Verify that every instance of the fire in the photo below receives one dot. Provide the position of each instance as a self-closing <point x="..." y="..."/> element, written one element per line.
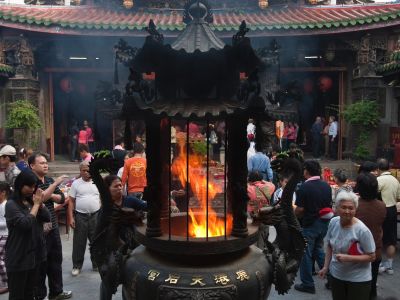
<point x="197" y="180"/>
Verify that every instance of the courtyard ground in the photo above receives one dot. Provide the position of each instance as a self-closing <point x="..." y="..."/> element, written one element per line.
<point x="86" y="285"/>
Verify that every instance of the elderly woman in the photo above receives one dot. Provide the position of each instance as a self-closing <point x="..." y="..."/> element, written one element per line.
<point x="349" y="252"/>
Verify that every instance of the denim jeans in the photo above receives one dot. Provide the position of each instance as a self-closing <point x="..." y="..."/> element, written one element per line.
<point x="314" y="235"/>
<point x="74" y="146"/>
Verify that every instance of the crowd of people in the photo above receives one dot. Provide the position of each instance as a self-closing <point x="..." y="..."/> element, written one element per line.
<point x="81" y="138"/>
<point x="351" y="231"/>
<point x="30" y="243"/>
<point x="322" y="136"/>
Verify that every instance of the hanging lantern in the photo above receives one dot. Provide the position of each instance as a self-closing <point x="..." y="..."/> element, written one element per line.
<point x="263" y="4"/>
<point x="313" y="2"/>
<point x="325" y="83"/>
<point x="77" y="2"/>
<point x="149" y="76"/>
<point x="128" y="4"/>
<point x="66" y="85"/>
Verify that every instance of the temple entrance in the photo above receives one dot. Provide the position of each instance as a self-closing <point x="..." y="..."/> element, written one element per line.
<point x="74" y="99"/>
<point x="306" y="94"/>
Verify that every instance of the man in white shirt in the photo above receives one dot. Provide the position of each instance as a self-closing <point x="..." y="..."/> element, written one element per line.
<point x="389" y="188"/>
<point x="83" y="208"/>
<point x="251" y="130"/>
<point x="333" y="138"/>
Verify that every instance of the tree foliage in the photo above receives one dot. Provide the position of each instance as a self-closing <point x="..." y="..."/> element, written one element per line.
<point x="23" y="114"/>
<point x="364" y="114"/>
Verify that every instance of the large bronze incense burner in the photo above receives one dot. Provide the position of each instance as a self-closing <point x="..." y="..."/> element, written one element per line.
<point x="195" y="97"/>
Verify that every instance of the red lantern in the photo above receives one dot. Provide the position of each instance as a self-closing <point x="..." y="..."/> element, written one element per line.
<point x="66" y="85"/>
<point x="325" y="83"/>
<point x="149" y="76"/>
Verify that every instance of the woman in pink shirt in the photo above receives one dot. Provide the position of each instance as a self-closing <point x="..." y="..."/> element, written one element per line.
<point x="291" y="137"/>
<point x="259" y="192"/>
<point x="83" y="137"/>
<point x="90" y="136"/>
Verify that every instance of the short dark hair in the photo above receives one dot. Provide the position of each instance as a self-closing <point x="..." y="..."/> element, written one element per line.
<point x="313" y="167"/>
<point x="138" y="148"/>
<point x="368" y="166"/>
<point x="83" y="147"/>
<point x="32" y="158"/>
<point x="340" y="175"/>
<point x="367" y="186"/>
<point x="5" y="187"/>
<point x="383" y="164"/>
<point x="255" y="176"/>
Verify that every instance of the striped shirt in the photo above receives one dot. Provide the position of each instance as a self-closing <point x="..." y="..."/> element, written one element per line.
<point x="50" y="203"/>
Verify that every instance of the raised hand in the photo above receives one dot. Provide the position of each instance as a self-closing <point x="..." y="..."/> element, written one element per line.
<point x="60" y="179"/>
<point x="38" y="197"/>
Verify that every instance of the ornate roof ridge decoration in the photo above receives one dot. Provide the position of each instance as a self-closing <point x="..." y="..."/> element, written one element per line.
<point x="198" y="34"/>
<point x="293" y="20"/>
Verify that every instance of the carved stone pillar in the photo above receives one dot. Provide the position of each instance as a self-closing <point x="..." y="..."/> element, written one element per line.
<point x="24" y="86"/>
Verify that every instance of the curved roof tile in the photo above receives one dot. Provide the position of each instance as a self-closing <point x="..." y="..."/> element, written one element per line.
<point x="299" y="20"/>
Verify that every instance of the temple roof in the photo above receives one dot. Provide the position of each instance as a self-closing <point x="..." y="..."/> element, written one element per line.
<point x="290" y="20"/>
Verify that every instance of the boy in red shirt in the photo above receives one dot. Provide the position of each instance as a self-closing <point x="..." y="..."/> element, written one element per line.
<point x="135" y="172"/>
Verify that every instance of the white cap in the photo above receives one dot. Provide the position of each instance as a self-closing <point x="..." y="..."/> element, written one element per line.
<point x="8" y="150"/>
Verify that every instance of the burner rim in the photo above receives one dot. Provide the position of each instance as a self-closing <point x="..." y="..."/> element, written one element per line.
<point x="197" y="246"/>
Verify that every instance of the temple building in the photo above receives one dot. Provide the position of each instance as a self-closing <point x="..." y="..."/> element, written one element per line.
<point x="321" y="56"/>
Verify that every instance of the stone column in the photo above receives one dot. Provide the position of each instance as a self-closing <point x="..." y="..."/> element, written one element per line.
<point x="24" y="86"/>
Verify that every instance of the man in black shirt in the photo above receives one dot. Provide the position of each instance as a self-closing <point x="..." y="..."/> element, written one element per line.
<point x="313" y="203"/>
<point x="53" y="267"/>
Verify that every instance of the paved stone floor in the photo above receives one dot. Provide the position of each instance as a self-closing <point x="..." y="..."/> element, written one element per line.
<point x="86" y="285"/>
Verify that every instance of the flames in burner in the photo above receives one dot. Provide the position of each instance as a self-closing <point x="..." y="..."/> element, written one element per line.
<point x="197" y="181"/>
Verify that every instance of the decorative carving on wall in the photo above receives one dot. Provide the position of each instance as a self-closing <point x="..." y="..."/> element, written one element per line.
<point x="366" y="48"/>
<point x="269" y="76"/>
<point x="19" y="54"/>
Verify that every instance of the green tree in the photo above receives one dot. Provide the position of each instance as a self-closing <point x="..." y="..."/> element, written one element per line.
<point x="365" y="115"/>
<point x="23" y="117"/>
<point x="23" y="114"/>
